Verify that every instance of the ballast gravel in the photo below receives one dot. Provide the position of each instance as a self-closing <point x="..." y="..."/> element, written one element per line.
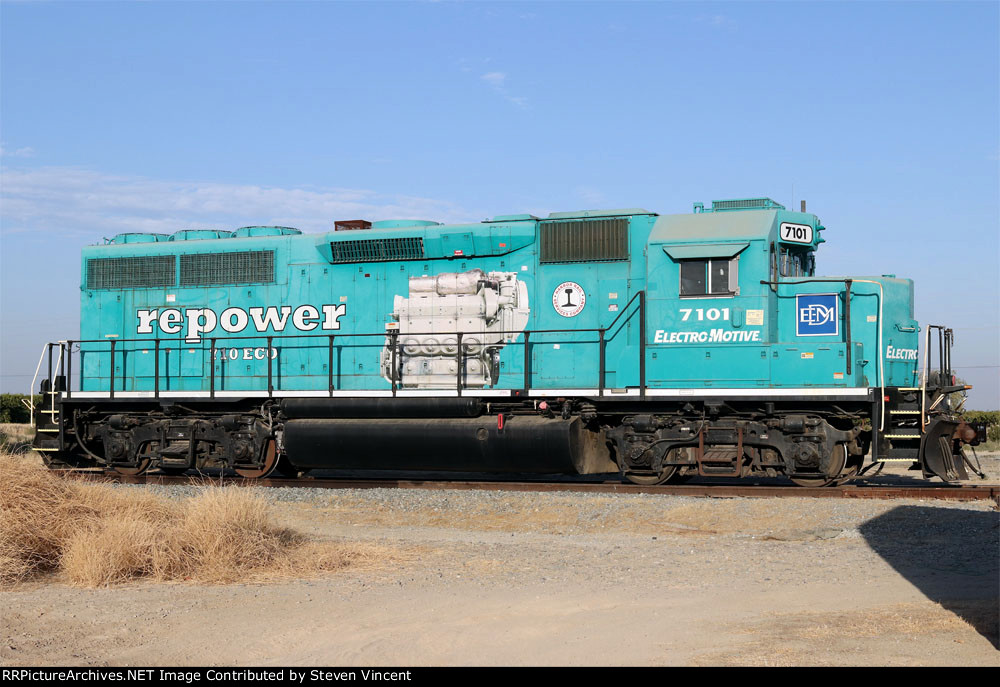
<point x="804" y="519"/>
<point x="478" y="577"/>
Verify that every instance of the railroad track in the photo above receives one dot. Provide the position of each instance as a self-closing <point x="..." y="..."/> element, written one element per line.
<point x="857" y="491"/>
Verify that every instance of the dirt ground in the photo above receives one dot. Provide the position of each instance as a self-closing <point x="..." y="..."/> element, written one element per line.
<point x="489" y="578"/>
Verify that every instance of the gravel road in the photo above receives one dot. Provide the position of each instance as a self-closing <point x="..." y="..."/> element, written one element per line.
<point x="485" y="578"/>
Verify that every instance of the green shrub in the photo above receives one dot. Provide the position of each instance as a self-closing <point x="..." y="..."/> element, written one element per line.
<point x="13" y="410"/>
<point x="990" y="417"/>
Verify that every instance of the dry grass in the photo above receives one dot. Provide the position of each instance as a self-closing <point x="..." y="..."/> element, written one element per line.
<point x="16" y="430"/>
<point x="15" y="437"/>
<point x="97" y="535"/>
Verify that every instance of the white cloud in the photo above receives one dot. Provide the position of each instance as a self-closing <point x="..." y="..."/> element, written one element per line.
<point x="69" y="201"/>
<point x="498" y="80"/>
<point x="18" y="152"/>
<point x="495" y="79"/>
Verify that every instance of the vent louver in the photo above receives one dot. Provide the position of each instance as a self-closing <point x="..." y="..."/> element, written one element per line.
<point x="588" y="241"/>
<point x="378" y="250"/>
<point x="246" y="267"/>
<point x="148" y="272"/>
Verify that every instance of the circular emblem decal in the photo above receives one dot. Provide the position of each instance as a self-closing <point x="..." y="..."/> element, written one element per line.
<point x="568" y="299"/>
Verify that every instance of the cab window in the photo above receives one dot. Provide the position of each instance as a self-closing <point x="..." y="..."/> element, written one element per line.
<point x="708" y="277"/>
<point x="796" y="263"/>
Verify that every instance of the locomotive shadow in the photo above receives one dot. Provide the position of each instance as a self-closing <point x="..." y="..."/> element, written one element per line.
<point x="949" y="554"/>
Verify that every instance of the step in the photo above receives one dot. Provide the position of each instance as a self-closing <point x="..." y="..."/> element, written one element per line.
<point x="176" y="448"/>
<point x="901" y="436"/>
<point x="174" y="462"/>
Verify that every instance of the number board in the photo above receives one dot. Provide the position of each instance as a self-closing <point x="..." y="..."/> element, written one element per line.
<point x="796" y="233"/>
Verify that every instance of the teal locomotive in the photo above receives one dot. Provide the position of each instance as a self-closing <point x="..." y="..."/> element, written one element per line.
<point x="654" y="346"/>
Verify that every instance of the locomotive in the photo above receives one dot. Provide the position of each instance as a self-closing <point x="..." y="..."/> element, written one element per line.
<point x="658" y="347"/>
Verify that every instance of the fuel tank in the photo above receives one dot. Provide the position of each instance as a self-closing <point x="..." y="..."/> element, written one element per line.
<point x="481" y="444"/>
<point x="302" y="408"/>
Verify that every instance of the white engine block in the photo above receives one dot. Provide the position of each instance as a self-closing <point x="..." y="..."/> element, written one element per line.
<point x="482" y="306"/>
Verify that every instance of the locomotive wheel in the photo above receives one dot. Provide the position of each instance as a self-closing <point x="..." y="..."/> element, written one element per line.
<point x="142" y="460"/>
<point x="269" y="466"/>
<point x="652" y="480"/>
<point x="843" y="474"/>
<point x="139" y="468"/>
<point x="852" y="469"/>
<point x="847" y="475"/>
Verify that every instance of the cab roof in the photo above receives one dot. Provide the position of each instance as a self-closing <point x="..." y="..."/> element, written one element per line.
<point x="711" y="226"/>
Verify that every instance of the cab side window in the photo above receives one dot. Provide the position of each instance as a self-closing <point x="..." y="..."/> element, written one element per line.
<point x="791" y="264"/>
<point x="716" y="277"/>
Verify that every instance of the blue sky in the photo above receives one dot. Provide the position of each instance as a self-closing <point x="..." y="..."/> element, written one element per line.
<point x="162" y="116"/>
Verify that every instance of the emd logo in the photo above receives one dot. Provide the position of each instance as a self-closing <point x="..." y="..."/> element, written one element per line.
<point x="817" y="314"/>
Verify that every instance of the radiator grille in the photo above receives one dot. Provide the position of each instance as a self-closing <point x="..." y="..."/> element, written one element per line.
<point x="378" y="250"/>
<point x="247" y="267"/>
<point x="146" y="272"/>
<point x="588" y="241"/>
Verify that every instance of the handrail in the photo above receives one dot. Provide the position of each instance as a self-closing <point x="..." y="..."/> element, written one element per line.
<point x="31" y="389"/>
<point x="52" y="386"/>
<point x="923" y="379"/>
<point x="46" y="348"/>
<point x="945" y="342"/>
<point x="263" y="335"/>
<point x="215" y="343"/>
<point x="624" y="310"/>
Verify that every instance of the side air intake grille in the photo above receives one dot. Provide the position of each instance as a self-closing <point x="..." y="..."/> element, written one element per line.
<point x="247" y="267"/>
<point x="588" y="241"/>
<point x="147" y="272"/>
<point x="378" y="250"/>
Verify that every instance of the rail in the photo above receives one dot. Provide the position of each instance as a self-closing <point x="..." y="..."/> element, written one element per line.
<point x="718" y="488"/>
<point x="117" y="347"/>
